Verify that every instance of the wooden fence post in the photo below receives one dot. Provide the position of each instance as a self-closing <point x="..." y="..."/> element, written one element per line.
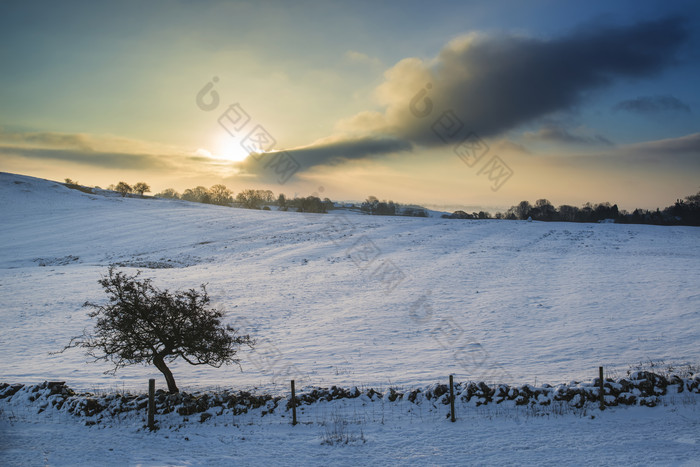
<point x="294" y="405"/>
<point x="452" y="399"/>
<point x="601" y="383"/>
<point x="151" y="404"/>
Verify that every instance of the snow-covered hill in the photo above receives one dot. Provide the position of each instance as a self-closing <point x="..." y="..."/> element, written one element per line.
<point x="350" y="300"/>
<point x="347" y="299"/>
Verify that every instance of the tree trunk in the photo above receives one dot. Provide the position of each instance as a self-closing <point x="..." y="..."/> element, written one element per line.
<point x="159" y="362"/>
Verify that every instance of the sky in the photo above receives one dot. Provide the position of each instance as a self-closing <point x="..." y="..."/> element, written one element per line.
<point x="446" y="103"/>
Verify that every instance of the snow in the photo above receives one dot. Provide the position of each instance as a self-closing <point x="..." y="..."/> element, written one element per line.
<point x="372" y="432"/>
<point x="352" y="300"/>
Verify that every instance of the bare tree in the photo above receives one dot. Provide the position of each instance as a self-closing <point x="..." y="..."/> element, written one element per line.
<point x="267" y="196"/>
<point x="123" y="188"/>
<point x="281" y="200"/>
<point x="141" y="188"/>
<point x="198" y="194"/>
<point x="142" y="324"/>
<point x="219" y="194"/>
<point x="168" y="193"/>
<point x="251" y="199"/>
<point x="523" y="209"/>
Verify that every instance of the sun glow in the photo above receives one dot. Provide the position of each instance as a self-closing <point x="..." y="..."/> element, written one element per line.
<point x="228" y="149"/>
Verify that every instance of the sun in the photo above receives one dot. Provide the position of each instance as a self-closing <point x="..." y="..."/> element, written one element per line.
<point x="227" y="148"/>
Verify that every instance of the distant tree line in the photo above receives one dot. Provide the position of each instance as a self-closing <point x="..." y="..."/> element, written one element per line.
<point x="249" y="199"/>
<point x="543" y="210"/>
<point x="75" y="185"/>
<point x="125" y="189"/>
<point x="685" y="211"/>
<point x="217" y="194"/>
<point x="374" y="207"/>
<point x="465" y="215"/>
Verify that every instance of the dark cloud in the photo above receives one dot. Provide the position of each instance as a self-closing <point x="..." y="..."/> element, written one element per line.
<point x="282" y="165"/>
<point x="653" y="104"/>
<point x="114" y="160"/>
<point x="496" y="83"/>
<point x="557" y="134"/>
<point x="357" y="148"/>
<point x="488" y="84"/>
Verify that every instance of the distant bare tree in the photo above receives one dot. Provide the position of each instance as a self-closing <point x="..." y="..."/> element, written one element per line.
<point x="198" y="195"/>
<point x="123" y="188"/>
<point x="168" y="193"/>
<point x="267" y="196"/>
<point x="141" y="188"/>
<point x="281" y="200"/>
<point x="219" y="194"/>
<point x="568" y="213"/>
<point x="544" y="210"/>
<point x="523" y="209"/>
<point x="251" y="199"/>
<point x="310" y="204"/>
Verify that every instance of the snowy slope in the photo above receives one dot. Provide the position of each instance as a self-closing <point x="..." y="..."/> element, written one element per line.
<point x="496" y="300"/>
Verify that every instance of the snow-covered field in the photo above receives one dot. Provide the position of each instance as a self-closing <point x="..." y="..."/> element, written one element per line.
<point x="489" y="435"/>
<point x="346" y="299"/>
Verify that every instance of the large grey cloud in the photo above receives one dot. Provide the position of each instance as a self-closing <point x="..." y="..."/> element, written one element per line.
<point x="330" y="152"/>
<point x="494" y="83"/>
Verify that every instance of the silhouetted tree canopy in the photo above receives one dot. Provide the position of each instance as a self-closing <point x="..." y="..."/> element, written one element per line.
<point x="310" y="204"/>
<point x="219" y="194"/>
<point x="141" y="324"/>
<point x="685" y="211"/>
<point x="123" y="188"/>
<point x="198" y="195"/>
<point x="141" y="188"/>
<point x="168" y="193"/>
